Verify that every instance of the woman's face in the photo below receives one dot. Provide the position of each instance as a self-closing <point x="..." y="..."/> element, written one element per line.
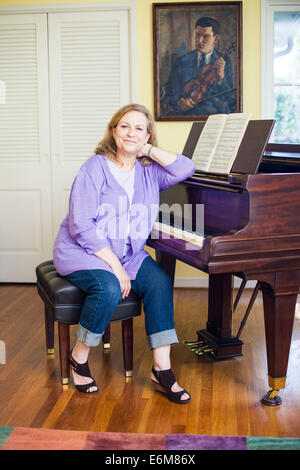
<point x="131" y="133"/>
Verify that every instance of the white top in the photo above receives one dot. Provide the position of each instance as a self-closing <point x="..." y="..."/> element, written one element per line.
<point x="126" y="180"/>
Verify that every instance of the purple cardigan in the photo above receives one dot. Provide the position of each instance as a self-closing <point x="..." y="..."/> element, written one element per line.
<point x="98" y="211"/>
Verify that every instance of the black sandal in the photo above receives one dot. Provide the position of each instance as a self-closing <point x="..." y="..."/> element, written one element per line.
<point x="84" y="371"/>
<point x="166" y="380"/>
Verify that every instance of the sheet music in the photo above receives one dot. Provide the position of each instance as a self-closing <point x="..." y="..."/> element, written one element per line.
<point x="229" y="143"/>
<point x="219" y="142"/>
<point x="208" y="141"/>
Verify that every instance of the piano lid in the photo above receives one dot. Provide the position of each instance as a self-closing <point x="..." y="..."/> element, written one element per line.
<point x="281" y="158"/>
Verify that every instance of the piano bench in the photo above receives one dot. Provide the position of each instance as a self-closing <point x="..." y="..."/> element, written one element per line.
<point x="62" y="304"/>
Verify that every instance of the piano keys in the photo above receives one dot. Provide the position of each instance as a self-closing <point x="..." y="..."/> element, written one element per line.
<point x="187" y="236"/>
<point x="251" y="230"/>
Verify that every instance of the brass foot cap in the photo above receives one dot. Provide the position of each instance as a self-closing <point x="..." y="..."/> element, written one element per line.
<point x="271" y="399"/>
<point x="277" y="383"/>
<point x="128" y="373"/>
<point x="50" y="352"/>
<point x="106" y="345"/>
<point x="65" y="380"/>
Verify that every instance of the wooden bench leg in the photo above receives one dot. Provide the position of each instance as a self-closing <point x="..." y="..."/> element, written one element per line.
<point x="127" y="337"/>
<point x="49" y="332"/>
<point x="64" y="349"/>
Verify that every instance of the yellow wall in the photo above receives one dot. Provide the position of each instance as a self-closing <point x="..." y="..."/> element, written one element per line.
<point x="173" y="135"/>
<point x="176" y="132"/>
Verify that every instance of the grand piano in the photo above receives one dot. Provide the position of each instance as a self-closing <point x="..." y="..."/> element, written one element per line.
<point x="251" y="230"/>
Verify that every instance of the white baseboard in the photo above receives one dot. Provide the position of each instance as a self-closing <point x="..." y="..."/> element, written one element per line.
<point x="201" y="282"/>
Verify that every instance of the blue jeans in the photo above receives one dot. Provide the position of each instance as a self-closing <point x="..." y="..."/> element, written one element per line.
<point x="103" y="291"/>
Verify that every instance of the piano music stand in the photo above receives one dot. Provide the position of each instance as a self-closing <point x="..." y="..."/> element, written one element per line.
<point x="253" y="144"/>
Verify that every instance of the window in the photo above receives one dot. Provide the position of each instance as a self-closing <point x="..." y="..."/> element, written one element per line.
<point x="281" y="68"/>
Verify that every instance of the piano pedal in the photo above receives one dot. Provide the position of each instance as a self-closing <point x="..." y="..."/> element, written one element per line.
<point x="190" y="343"/>
<point x="195" y="348"/>
<point x="199" y="347"/>
<point x="201" y="352"/>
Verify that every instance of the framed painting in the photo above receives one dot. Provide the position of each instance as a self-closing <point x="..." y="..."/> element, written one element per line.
<point x="197" y="59"/>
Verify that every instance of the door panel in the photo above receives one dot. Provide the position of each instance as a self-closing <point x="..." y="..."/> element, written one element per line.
<point x="25" y="172"/>
<point x="89" y="81"/>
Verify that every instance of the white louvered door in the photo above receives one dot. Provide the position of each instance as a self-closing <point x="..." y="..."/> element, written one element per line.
<point x="89" y="81"/>
<point x="62" y="76"/>
<point x="25" y="174"/>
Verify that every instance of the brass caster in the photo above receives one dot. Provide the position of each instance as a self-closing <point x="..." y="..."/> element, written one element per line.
<point x="271" y="398"/>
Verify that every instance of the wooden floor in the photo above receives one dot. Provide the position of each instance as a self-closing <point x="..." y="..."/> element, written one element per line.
<point x="225" y="394"/>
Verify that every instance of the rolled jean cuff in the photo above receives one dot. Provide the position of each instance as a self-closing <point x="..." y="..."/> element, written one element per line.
<point x="162" y="338"/>
<point x="87" y="337"/>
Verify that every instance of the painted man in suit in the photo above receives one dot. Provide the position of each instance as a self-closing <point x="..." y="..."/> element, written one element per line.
<point x="218" y="96"/>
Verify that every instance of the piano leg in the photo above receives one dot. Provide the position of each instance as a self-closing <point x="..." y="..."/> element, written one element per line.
<point x="167" y="262"/>
<point x="280" y="290"/>
<point x="218" y="334"/>
<point x="279" y="298"/>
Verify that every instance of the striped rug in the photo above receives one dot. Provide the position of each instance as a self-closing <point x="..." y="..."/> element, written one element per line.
<point x="20" y="438"/>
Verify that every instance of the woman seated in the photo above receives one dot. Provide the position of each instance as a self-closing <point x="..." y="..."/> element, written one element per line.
<point x="100" y="245"/>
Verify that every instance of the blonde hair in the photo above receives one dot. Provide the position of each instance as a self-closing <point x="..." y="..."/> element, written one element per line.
<point x="107" y="145"/>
